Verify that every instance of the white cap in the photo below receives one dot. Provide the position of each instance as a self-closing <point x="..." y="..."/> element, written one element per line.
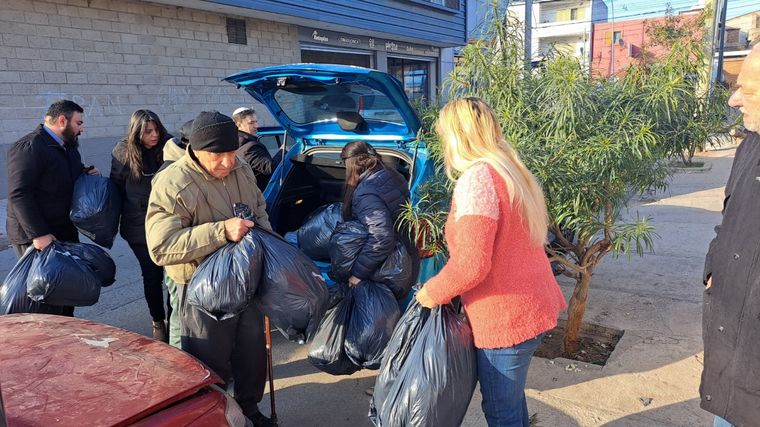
<point x="241" y="109"/>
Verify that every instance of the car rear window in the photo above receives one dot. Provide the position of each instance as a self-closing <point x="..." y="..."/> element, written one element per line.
<point x="309" y="104"/>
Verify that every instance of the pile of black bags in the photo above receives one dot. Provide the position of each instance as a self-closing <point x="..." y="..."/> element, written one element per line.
<point x="63" y="274"/>
<point x="269" y="271"/>
<point x="314" y="234"/>
<point x="428" y="372"/>
<point x="354" y="333"/>
<point x="349" y="238"/>
<point x="95" y="208"/>
<point x="292" y="291"/>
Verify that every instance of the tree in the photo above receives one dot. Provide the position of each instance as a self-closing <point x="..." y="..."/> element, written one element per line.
<point x="671" y="77"/>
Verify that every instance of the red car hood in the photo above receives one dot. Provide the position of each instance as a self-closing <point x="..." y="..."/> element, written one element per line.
<point x="64" y="371"/>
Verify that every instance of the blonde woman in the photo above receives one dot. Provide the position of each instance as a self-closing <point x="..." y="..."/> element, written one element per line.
<point x="495" y="233"/>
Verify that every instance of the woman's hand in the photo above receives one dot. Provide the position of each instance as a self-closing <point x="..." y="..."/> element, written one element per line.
<point x="353" y="281"/>
<point x="424" y="299"/>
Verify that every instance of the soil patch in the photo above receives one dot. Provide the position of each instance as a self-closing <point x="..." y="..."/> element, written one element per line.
<point x="596" y="344"/>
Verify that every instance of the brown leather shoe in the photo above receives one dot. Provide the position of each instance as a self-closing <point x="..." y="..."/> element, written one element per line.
<point x="160" y="331"/>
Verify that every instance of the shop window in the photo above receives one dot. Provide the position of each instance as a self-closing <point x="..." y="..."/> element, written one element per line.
<point x="341" y="58"/>
<point x="236" y="31"/>
<point x="414" y="75"/>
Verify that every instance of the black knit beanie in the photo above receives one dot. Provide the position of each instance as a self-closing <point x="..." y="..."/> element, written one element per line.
<point x="214" y="132"/>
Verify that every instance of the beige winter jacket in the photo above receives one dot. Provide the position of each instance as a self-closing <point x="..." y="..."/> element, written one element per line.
<point x="187" y="210"/>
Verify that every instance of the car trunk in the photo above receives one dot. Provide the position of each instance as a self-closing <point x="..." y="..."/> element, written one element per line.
<point x="316" y="178"/>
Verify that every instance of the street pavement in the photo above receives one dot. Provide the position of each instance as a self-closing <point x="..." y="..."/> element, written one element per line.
<point x="651" y="378"/>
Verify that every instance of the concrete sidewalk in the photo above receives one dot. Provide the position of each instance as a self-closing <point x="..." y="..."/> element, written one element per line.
<point x="655" y="299"/>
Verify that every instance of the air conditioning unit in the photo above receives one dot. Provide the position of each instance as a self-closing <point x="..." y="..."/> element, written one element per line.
<point x="621" y="42"/>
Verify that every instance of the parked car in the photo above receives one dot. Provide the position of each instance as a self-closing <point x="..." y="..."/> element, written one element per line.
<point x="322" y="107"/>
<point x="57" y="370"/>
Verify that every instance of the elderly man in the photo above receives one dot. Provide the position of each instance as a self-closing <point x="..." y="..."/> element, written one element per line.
<point x="730" y="386"/>
<point x="251" y="149"/>
<point x="192" y="213"/>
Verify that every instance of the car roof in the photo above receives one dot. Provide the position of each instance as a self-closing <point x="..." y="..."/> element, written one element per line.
<point x="60" y="370"/>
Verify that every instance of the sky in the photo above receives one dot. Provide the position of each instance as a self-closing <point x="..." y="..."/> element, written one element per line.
<point x="635" y="9"/>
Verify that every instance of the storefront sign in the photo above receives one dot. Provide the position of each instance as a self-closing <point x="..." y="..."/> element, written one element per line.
<point x="331" y="38"/>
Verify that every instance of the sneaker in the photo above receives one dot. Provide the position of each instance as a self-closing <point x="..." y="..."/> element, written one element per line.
<point x="160" y="331"/>
<point x="260" y="420"/>
<point x="370" y="391"/>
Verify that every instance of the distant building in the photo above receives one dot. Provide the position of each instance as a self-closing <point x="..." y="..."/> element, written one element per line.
<point x="618" y="44"/>
<point x="742" y="33"/>
<point x="564" y="25"/>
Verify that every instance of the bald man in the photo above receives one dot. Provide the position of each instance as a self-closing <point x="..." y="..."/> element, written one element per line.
<point x="730" y="386"/>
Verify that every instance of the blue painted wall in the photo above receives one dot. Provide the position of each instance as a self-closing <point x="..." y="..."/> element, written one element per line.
<point x="429" y="23"/>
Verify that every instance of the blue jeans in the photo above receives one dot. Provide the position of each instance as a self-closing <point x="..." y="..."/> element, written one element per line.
<point x="502" y="373"/>
<point x="720" y="422"/>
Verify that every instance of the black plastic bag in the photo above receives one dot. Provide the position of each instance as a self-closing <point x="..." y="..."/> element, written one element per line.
<point x="226" y="280"/>
<point x="60" y="277"/>
<point x="347" y="241"/>
<point x="314" y="234"/>
<point x="13" y="296"/>
<point x="397" y="272"/>
<point x="396" y="353"/>
<point x="292" y="292"/>
<point x="374" y="314"/>
<point x="95" y="208"/>
<point x="336" y="293"/>
<point x="327" y="349"/>
<point x="435" y="383"/>
<point x="96" y="258"/>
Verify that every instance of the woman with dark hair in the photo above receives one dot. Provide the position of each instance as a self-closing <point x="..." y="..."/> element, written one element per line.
<point x="374" y="195"/>
<point x="134" y="161"/>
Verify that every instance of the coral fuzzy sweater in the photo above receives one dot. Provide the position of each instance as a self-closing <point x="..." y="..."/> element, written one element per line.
<point x="506" y="284"/>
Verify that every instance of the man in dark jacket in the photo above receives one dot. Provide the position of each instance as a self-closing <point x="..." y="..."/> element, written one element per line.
<point x="251" y="149"/>
<point x="730" y="386"/>
<point x="42" y="168"/>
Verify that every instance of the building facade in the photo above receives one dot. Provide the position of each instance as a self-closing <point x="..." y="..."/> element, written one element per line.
<point x="115" y="56"/>
<point x="565" y="25"/>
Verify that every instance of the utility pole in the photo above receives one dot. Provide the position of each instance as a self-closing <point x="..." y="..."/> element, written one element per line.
<point x="528" y="33"/>
<point x="612" y="43"/>
<point x="720" y="28"/>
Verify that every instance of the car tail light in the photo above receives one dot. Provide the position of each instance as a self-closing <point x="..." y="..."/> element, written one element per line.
<point x="232" y="412"/>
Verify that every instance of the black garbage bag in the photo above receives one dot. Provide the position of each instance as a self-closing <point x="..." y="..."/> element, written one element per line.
<point x="345" y="243"/>
<point x="96" y="258"/>
<point x="435" y="384"/>
<point x="336" y="293"/>
<point x="327" y="349"/>
<point x="314" y="234"/>
<point x="60" y="277"/>
<point x="396" y="353"/>
<point x="397" y="272"/>
<point x="13" y="296"/>
<point x="373" y="316"/>
<point x="95" y="208"/>
<point x="226" y="280"/>
<point x="292" y="292"/>
<point x="349" y="238"/>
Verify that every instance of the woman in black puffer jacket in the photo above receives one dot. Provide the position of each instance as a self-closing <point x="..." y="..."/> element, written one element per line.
<point x="134" y="161"/>
<point x="374" y="195"/>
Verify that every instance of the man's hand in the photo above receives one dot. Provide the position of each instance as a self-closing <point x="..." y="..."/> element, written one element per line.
<point x="92" y="170"/>
<point x="235" y="228"/>
<point x="424" y="299"/>
<point x="353" y="281"/>
<point x="709" y="283"/>
<point x="43" y="242"/>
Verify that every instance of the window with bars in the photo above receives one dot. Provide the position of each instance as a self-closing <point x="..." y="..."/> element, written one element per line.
<point x="236" y="31"/>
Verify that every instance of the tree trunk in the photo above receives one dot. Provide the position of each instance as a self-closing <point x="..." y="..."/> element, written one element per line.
<point x="575" y="312"/>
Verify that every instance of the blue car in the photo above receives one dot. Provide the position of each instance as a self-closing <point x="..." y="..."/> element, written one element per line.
<point x="321" y="108"/>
